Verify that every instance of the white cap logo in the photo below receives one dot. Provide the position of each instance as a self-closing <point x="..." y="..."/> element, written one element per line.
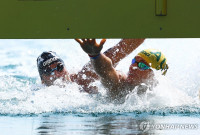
<point x="47" y="62"/>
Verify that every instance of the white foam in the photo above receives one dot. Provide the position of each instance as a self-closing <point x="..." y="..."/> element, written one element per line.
<point x="26" y="95"/>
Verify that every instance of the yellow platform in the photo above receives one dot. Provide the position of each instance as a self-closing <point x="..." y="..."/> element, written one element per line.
<point x="98" y="19"/>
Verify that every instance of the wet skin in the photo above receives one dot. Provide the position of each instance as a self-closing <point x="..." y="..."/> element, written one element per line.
<point x="49" y="79"/>
<point x="136" y="75"/>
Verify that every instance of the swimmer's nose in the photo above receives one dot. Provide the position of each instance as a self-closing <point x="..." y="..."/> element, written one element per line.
<point x="58" y="74"/>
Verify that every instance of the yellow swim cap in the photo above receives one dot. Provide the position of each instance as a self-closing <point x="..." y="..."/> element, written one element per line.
<point x="155" y="59"/>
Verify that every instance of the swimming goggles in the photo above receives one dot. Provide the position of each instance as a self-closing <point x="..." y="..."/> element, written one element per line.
<point x="141" y="65"/>
<point x="49" y="71"/>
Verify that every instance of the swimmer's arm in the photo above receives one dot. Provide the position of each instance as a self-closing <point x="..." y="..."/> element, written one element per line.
<point x="104" y="68"/>
<point x="122" y="49"/>
<point x="101" y="63"/>
<point x="116" y="53"/>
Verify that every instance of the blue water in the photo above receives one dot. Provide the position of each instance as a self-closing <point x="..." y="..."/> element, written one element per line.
<point x="54" y="110"/>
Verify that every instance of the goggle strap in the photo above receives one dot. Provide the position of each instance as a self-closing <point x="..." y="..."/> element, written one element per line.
<point x="165" y="69"/>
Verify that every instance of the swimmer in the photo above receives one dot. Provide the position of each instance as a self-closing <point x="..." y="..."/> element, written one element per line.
<point x="140" y="70"/>
<point x="51" y="67"/>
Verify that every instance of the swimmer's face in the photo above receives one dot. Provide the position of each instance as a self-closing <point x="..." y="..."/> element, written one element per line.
<point x="49" y="79"/>
<point x="136" y="75"/>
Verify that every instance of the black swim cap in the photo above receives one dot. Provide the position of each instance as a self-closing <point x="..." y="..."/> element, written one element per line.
<point x="46" y="59"/>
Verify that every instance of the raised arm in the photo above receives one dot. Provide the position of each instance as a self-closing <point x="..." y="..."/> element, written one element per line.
<point x="116" y="53"/>
<point x="122" y="49"/>
<point x="104" y="68"/>
<point x="101" y="63"/>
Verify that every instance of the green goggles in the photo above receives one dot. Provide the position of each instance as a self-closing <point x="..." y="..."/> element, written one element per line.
<point x="141" y="65"/>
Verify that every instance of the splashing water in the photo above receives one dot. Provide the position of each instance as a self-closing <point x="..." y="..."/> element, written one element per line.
<point x="21" y="91"/>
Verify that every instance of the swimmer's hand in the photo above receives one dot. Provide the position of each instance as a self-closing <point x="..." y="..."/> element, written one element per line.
<point x="90" y="46"/>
